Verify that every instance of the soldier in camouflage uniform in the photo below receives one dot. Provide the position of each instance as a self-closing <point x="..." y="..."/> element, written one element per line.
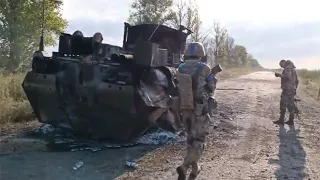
<point x="289" y="84"/>
<point x="196" y="121"/>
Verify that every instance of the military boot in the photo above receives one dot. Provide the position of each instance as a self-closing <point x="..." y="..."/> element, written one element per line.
<point x="281" y="120"/>
<point x="291" y="118"/>
<point x="182" y="173"/>
<point x="195" y="172"/>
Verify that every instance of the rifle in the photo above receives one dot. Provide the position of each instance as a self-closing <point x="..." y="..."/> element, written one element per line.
<point x="296" y="109"/>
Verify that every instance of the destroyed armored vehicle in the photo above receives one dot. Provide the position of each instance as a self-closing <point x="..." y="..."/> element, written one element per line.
<point x="110" y="92"/>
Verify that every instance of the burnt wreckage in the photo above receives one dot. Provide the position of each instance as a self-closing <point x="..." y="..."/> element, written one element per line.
<point x="110" y="92"/>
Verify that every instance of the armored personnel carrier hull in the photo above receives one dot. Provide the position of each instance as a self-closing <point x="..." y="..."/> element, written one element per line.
<point x="105" y="91"/>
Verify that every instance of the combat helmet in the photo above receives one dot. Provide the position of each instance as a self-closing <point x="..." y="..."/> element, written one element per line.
<point x="195" y="49"/>
<point x="282" y="63"/>
<point x="290" y="63"/>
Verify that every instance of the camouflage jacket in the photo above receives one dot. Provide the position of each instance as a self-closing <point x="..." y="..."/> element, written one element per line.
<point x="203" y="82"/>
<point x="289" y="79"/>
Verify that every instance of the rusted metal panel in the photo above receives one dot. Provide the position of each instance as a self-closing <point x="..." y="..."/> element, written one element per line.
<point x="185" y="90"/>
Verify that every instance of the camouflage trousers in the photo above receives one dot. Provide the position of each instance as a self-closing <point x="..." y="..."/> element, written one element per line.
<point x="195" y="123"/>
<point x="287" y="102"/>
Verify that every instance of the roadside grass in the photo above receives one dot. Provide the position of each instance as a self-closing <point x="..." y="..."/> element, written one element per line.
<point x="14" y="107"/>
<point x="310" y="81"/>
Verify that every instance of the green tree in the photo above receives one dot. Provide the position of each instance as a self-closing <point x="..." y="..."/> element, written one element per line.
<point x="151" y="11"/>
<point x="255" y="63"/>
<point x="218" y="42"/>
<point x="251" y="62"/>
<point x="20" y="29"/>
<point x="241" y="55"/>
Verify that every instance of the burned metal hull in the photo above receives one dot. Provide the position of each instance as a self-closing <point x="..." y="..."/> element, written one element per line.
<point x="104" y="91"/>
<point x="80" y="99"/>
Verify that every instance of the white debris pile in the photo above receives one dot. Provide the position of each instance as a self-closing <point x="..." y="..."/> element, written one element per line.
<point x="69" y="142"/>
<point x="46" y="129"/>
<point x="160" y="137"/>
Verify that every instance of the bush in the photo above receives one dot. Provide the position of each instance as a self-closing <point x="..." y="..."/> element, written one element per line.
<point x="14" y="106"/>
<point x="310" y="81"/>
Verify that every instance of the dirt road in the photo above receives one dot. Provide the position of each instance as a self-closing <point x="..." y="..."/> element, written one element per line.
<point x="246" y="145"/>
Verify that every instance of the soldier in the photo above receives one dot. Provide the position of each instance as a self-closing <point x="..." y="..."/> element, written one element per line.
<point x="196" y="121"/>
<point x="289" y="84"/>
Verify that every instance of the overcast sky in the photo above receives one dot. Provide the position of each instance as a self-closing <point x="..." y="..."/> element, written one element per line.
<point x="270" y="30"/>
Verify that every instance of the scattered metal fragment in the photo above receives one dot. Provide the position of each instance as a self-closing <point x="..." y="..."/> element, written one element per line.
<point x="46" y="128"/>
<point x="78" y="165"/>
<point x="131" y="164"/>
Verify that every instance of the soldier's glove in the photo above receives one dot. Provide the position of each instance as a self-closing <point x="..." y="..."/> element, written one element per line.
<point x="212" y="104"/>
<point x="277" y="74"/>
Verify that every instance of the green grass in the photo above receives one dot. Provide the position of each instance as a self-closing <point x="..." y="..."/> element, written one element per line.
<point x="310" y="81"/>
<point x="14" y="106"/>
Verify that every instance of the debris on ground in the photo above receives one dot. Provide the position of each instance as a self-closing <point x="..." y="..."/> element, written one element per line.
<point x="131" y="164"/>
<point x="78" y="165"/>
<point x="46" y="129"/>
<point x="62" y="140"/>
<point x="161" y="137"/>
<point x="93" y="149"/>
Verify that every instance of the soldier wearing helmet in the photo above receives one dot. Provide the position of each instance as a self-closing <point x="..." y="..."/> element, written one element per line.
<point x="289" y="84"/>
<point x="196" y="120"/>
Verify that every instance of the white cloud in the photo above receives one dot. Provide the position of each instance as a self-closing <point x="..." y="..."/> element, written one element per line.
<point x="308" y="63"/>
<point x="112" y="40"/>
<point x="259" y="12"/>
<point x="96" y="10"/>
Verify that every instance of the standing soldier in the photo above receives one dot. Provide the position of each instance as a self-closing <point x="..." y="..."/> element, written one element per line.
<point x="289" y="84"/>
<point x="196" y="120"/>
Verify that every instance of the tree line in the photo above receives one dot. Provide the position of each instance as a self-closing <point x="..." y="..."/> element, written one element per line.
<point x="220" y="46"/>
<point x="20" y="30"/>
